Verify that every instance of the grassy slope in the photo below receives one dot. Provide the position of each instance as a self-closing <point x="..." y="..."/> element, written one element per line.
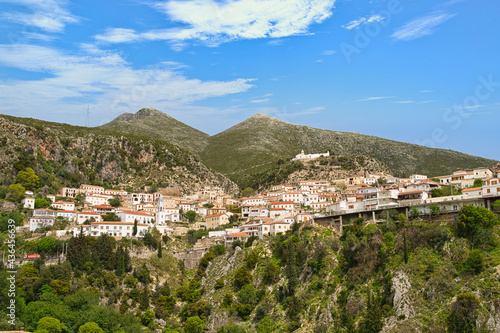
<point x="76" y="154"/>
<point x="159" y="125"/>
<point x="262" y="138"/>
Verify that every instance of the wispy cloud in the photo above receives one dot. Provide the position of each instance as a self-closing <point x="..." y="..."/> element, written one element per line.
<point x="404" y="102"/>
<point x="422" y="26"/>
<point x="48" y="15"/>
<point x="104" y="80"/>
<point x="328" y="52"/>
<point x="362" y="21"/>
<point x="426" y="91"/>
<point x="213" y="22"/>
<point x="262" y="100"/>
<point x="368" y="99"/>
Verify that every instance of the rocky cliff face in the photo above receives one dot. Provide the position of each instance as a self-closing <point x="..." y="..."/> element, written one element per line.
<point x="70" y="155"/>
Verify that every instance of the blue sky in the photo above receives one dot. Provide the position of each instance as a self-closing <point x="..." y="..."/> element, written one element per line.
<point x="424" y="72"/>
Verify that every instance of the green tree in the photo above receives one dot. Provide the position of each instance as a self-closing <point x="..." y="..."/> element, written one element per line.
<point x="80" y="197"/>
<point x="194" y="325"/>
<point x="414" y="213"/>
<point x="463" y="316"/>
<point x="50" y="325"/>
<point x="90" y="327"/>
<point x="160" y="254"/>
<point x="233" y="218"/>
<point x="478" y="183"/>
<point x="15" y="192"/>
<point x="47" y="245"/>
<point x="191" y="215"/>
<point x="496" y="205"/>
<point x="266" y="325"/>
<point x="247" y="295"/>
<point x="372" y="320"/>
<point x="475" y="262"/>
<point x="28" y="179"/>
<point x="434" y="209"/>
<point x="115" y="202"/>
<point x="248" y="192"/>
<point x="134" y="229"/>
<point x="271" y="273"/>
<point x="473" y="221"/>
<point x="242" y="277"/>
<point x="405" y="248"/>
<point x="144" y="303"/>
<point x="111" y="217"/>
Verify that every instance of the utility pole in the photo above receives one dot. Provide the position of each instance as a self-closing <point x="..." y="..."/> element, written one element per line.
<point x="87" y="120"/>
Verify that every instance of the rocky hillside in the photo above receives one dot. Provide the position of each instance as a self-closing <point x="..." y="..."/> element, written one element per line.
<point x="259" y="142"/>
<point x="156" y="124"/>
<point x="333" y="168"/>
<point x="262" y="138"/>
<point x="64" y="155"/>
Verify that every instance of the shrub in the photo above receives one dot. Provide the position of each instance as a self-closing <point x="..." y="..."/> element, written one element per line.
<point x="463" y="314"/>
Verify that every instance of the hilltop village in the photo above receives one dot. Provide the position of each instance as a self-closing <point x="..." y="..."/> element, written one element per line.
<point x="95" y="210"/>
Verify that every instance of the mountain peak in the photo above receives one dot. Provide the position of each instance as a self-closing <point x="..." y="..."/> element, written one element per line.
<point x="148" y="112"/>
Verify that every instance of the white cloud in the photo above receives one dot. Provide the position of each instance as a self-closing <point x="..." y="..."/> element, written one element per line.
<point x="328" y="52"/>
<point x="362" y="21"/>
<point x="262" y="100"/>
<point x="421" y="26"/>
<point x="404" y="102"/>
<point x="213" y="22"/>
<point x="426" y="91"/>
<point x="48" y="15"/>
<point x="118" y="35"/>
<point x="105" y="81"/>
<point x="368" y="99"/>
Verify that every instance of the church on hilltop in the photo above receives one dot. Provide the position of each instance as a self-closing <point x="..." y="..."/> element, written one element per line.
<point x="303" y="156"/>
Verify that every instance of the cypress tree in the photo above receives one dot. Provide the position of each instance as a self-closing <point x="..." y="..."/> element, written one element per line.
<point x="405" y="254"/>
<point x="159" y="250"/>
<point x="134" y="229"/>
<point x="144" y="303"/>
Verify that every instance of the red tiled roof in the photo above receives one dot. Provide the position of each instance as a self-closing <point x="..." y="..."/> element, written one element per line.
<point x="472" y="189"/>
<point x="238" y="234"/>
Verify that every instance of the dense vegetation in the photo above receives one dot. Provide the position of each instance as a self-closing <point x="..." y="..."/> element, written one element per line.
<point x="64" y="155"/>
<point x="402" y="275"/>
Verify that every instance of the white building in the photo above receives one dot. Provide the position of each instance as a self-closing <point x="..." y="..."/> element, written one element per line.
<point x="293" y="196"/>
<point x="83" y="216"/>
<point x="66" y="214"/>
<point x="417" y="178"/>
<point x="29" y="202"/>
<point x="95" y="199"/>
<point x="117" y="229"/>
<point x="491" y="187"/>
<point x="92" y="189"/>
<point x="40" y="222"/>
<point x="230" y="238"/>
<point x="130" y="216"/>
<point x="163" y="214"/>
<point x="65" y="205"/>
<point x="303" y="156"/>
